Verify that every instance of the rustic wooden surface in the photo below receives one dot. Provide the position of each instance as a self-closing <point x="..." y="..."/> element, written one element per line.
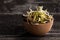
<point x="11" y="21"/>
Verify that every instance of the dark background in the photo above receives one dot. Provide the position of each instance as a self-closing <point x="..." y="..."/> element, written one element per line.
<point x="20" y="5"/>
<point x="11" y="20"/>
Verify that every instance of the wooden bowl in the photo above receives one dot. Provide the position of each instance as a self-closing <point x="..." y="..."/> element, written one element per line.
<point x="40" y="29"/>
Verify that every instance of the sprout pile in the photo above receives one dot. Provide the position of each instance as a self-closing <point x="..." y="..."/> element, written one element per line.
<point x="39" y="16"/>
